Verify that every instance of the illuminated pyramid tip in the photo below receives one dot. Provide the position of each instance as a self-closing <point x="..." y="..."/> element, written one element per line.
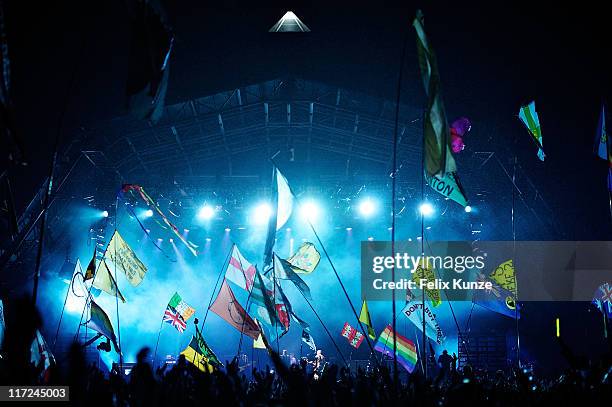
<point x="289" y="23"/>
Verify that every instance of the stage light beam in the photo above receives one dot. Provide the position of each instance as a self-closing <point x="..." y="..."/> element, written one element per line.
<point x="426" y="209"/>
<point x="206" y="212"/>
<point x="104" y="214"/>
<point x="309" y="211"/>
<point x="367" y="207"/>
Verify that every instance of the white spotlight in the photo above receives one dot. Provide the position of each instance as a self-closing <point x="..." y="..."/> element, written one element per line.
<point x="228" y="230"/>
<point x="309" y="211"/>
<point x="261" y="214"/>
<point x="367" y="207"/>
<point x="468" y="209"/>
<point x="426" y="209"/>
<point x="105" y="214"/>
<point x="148" y="213"/>
<point x="206" y="212"/>
<point x="171" y="240"/>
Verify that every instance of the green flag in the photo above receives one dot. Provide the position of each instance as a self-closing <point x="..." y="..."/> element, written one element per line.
<point x="440" y="165"/>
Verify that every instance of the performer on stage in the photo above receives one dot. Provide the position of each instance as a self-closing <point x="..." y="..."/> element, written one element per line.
<point x="319" y="364"/>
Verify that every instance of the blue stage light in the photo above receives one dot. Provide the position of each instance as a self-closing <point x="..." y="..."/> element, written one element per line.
<point x="309" y="211"/>
<point x="105" y="214"/>
<point x="261" y="214"/>
<point x="367" y="207"/>
<point x="426" y="209"/>
<point x="468" y="209"/>
<point x="148" y="213"/>
<point x="206" y="212"/>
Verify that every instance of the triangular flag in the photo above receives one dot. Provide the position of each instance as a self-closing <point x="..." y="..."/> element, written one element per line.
<point x="529" y="117"/>
<point x="122" y="255"/>
<point x="364" y="318"/>
<point x="105" y="281"/>
<point x="259" y="343"/>
<point x="284" y="271"/>
<point x="282" y="201"/>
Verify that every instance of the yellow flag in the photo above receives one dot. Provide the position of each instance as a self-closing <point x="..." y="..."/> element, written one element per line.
<point x="426" y="272"/>
<point x="124" y="257"/>
<point x="197" y="359"/>
<point x="504" y="276"/>
<point x="364" y="318"/>
<point x="259" y="343"/>
<point x="104" y="281"/>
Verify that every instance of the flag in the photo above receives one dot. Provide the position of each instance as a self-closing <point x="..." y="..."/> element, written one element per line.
<point x="603" y="145"/>
<point x="284" y="271"/>
<point x="125" y="259"/>
<point x="425" y="272"/>
<point x="498" y="300"/>
<point x="227" y="307"/>
<point x="305" y="259"/>
<point x="529" y="117"/>
<point x="105" y="281"/>
<point x="271" y="305"/>
<point x="2" y="324"/>
<point x="364" y="317"/>
<point x="307" y="339"/>
<point x="352" y="335"/>
<point x="406" y="350"/>
<point x="174" y="318"/>
<point x="149" y="57"/>
<point x="440" y="168"/>
<point x="99" y="322"/>
<point x="90" y="272"/>
<point x="282" y="200"/>
<point x="603" y="299"/>
<point x="41" y="356"/>
<point x="259" y="342"/>
<point x="413" y="310"/>
<point x="184" y="309"/>
<point x="504" y="276"/>
<point x="200" y="355"/>
<point x="239" y="270"/>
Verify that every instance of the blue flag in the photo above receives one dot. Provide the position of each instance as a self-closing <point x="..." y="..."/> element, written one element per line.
<point x="498" y="300"/>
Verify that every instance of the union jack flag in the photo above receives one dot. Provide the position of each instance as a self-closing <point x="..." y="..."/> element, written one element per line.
<point x="175" y="319"/>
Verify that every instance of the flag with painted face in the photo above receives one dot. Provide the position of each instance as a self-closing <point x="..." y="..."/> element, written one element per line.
<point x="227" y="307"/>
<point x="529" y="117"/>
<point x="504" y="276"/>
<point x="497" y="299"/>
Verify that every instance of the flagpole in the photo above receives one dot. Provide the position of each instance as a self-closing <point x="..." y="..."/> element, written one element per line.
<point x="331" y="263"/>
<point x="59" y="323"/>
<point x="161" y="325"/>
<point x="424" y="350"/>
<point x="212" y="296"/>
<point x="393" y="192"/>
<point x="117" y="285"/>
<point x="518" y="340"/>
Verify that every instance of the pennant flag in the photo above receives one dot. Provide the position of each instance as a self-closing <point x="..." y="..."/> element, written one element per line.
<point x="200" y="355"/>
<point x="504" y="276"/>
<point x="284" y="271"/>
<point x="152" y="204"/>
<point x="91" y="268"/>
<point x="307" y="339"/>
<point x="105" y="281"/>
<point x="427" y="273"/>
<point x="125" y="259"/>
<point x="282" y="199"/>
<point x="41" y="356"/>
<point x="406" y="350"/>
<point x="352" y="335"/>
<point x="99" y="322"/>
<point x="449" y="186"/>
<point x="414" y="312"/>
<point x="440" y="167"/>
<point x="603" y="145"/>
<point x="239" y="270"/>
<point x="289" y="22"/>
<point x="2" y="324"/>
<point x="259" y="342"/>
<point x="603" y="299"/>
<point x="151" y="46"/>
<point x="364" y="318"/>
<point x="184" y="309"/>
<point x="498" y="300"/>
<point x="305" y="259"/>
<point x="227" y="307"/>
<point x="529" y="117"/>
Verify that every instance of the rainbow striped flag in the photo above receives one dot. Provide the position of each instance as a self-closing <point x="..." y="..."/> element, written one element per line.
<point x="406" y="350"/>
